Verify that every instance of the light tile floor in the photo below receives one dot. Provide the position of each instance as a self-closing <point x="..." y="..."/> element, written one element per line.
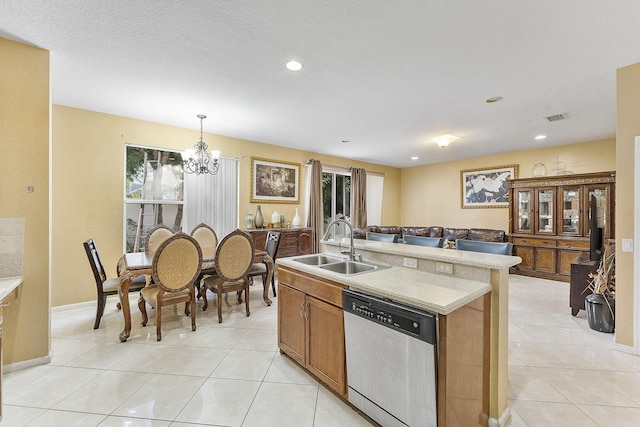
<point x="561" y="373"/>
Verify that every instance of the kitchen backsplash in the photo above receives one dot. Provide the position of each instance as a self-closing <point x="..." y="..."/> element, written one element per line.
<point x="11" y="246"/>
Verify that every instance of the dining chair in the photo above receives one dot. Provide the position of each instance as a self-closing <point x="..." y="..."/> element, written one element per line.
<point x="105" y="286"/>
<point x="175" y="267"/>
<point x="206" y="238"/>
<point x="233" y="259"/>
<point x="259" y="268"/>
<point x="434" y="242"/>
<point x="156" y="236"/>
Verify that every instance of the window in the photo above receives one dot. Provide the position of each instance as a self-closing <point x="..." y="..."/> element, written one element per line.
<point x="336" y="199"/>
<point x="154" y="189"/>
<point x="157" y="191"/>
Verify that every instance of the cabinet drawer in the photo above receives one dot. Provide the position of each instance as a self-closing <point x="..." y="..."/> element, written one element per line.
<point x="330" y="292"/>
<point x="536" y="242"/>
<point x="566" y="244"/>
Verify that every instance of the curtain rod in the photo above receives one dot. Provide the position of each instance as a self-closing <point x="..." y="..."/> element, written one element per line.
<point x="345" y="169"/>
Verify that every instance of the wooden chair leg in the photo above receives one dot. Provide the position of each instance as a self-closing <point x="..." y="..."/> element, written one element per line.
<point x="193" y="312"/>
<point x="273" y="285"/>
<point x="158" y="321"/>
<point x="102" y="301"/>
<point x="246" y="300"/>
<point x="142" y="305"/>
<point x="219" y="303"/>
<point x="187" y="310"/>
<point x="205" y="303"/>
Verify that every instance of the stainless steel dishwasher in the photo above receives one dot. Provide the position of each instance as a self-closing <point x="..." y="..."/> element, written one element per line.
<point x="391" y="360"/>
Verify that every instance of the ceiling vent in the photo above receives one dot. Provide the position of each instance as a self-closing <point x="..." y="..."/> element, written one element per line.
<point x="557" y="117"/>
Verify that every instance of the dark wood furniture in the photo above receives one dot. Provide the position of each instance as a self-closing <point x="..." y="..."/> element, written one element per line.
<point x="293" y="241"/>
<point x="105" y="286"/>
<point x="549" y="220"/>
<point x="581" y="267"/>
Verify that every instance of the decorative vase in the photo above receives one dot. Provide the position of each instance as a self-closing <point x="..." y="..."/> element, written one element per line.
<point x="297" y="221"/>
<point x="275" y="218"/>
<point x="600" y="312"/>
<point x="249" y="221"/>
<point x="259" y="220"/>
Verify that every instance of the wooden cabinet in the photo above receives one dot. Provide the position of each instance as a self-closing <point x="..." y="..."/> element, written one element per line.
<point x="311" y="326"/>
<point x="293" y="241"/>
<point x="5" y="302"/>
<point x="549" y="220"/>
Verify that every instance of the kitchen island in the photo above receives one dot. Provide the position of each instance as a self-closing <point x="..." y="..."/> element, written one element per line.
<point x="461" y="287"/>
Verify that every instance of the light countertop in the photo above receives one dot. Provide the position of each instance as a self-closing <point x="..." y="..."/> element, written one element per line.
<point x="8" y="284"/>
<point x="432" y="292"/>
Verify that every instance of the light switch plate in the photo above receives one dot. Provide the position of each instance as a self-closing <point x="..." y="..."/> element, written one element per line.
<point x="627" y="245"/>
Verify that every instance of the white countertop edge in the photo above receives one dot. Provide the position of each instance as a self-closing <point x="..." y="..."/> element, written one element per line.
<point x="8" y="284"/>
<point x="404" y="285"/>
<point x="477" y="259"/>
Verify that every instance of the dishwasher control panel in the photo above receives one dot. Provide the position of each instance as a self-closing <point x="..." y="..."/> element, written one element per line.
<point x="409" y="320"/>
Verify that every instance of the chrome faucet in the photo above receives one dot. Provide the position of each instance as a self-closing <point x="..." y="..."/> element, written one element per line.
<point x="352" y="253"/>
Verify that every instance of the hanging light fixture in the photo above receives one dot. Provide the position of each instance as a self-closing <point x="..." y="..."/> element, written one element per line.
<point x="200" y="161"/>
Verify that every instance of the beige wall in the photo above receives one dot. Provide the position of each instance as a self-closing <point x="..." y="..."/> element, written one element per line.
<point x="88" y="200"/>
<point x="431" y="194"/>
<point x="24" y="135"/>
<point x="627" y="128"/>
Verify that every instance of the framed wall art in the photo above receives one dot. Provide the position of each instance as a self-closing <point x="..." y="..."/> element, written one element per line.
<point x="274" y="181"/>
<point x="486" y="188"/>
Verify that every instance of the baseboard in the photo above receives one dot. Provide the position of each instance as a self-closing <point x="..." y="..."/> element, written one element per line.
<point x="504" y="421"/>
<point x="61" y="308"/>
<point x="625" y="349"/>
<point x="26" y="364"/>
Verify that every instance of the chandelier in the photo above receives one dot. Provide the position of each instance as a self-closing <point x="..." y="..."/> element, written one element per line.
<point x="200" y="161"/>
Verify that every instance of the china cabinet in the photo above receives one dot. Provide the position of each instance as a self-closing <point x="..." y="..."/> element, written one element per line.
<point x="293" y="241"/>
<point x="549" y="220"/>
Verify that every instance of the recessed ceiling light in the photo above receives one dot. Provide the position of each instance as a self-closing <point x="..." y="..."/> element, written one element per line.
<point x="344" y="141"/>
<point x="293" y="66"/>
<point x="444" y="140"/>
<point x="415" y="158"/>
<point x="493" y="99"/>
<point x="540" y="137"/>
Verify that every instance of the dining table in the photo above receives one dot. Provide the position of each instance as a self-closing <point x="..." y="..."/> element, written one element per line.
<point x="140" y="263"/>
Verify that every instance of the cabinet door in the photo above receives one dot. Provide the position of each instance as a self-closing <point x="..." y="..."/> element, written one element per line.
<point x="604" y="214"/>
<point x="326" y="353"/>
<point x="571" y="204"/>
<point x="304" y="242"/>
<point x="566" y="257"/>
<point x="291" y="322"/>
<point x="527" y="253"/>
<point x="546" y="260"/>
<point x="545" y="201"/>
<point x="523" y="207"/>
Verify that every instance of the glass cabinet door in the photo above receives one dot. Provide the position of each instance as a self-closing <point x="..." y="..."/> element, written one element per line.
<point x="601" y="194"/>
<point x="524" y="208"/>
<point x="545" y="211"/>
<point x="571" y="205"/>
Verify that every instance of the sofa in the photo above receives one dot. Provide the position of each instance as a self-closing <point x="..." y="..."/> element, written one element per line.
<point x="480" y="234"/>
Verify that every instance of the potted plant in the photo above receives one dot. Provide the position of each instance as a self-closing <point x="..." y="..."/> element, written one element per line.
<point x="600" y="304"/>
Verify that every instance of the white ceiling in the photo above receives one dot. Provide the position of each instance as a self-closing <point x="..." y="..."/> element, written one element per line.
<point x="386" y="75"/>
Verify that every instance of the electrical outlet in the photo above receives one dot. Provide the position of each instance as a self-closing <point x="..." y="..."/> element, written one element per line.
<point x="444" y="267"/>
<point x="627" y="245"/>
<point x="410" y="262"/>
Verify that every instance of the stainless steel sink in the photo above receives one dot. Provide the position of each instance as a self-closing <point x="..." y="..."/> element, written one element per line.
<point x="352" y="267"/>
<point x="318" y="259"/>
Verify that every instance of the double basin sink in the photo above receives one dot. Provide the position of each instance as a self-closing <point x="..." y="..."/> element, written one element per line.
<point x="339" y="265"/>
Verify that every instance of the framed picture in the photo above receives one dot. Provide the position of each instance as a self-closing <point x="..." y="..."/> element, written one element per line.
<point x="273" y="181"/>
<point x="486" y="188"/>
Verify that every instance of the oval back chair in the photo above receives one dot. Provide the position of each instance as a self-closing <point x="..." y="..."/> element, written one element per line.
<point x="233" y="259"/>
<point x="175" y="267"/>
<point x="156" y="236"/>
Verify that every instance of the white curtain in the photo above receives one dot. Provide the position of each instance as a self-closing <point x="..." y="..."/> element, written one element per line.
<point x="213" y="199"/>
<point x="375" y="184"/>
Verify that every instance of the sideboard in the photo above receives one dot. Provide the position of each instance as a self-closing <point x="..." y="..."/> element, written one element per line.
<point x="293" y="241"/>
